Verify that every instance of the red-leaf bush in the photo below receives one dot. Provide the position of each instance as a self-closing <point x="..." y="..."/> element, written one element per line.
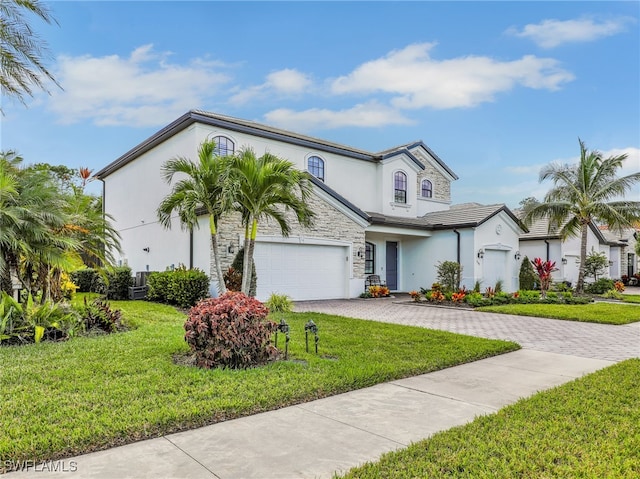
<point x="230" y="332"/>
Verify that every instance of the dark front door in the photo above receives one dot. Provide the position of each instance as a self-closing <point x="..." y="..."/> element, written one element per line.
<point x="392" y="265"/>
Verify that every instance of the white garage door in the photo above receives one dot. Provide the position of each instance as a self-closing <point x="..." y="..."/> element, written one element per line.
<point x="301" y="271"/>
<point x="494" y="268"/>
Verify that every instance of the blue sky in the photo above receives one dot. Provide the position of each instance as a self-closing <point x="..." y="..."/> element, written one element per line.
<point x="496" y="89"/>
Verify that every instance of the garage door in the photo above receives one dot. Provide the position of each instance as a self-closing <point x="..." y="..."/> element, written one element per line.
<point x="494" y="268"/>
<point x="301" y="271"/>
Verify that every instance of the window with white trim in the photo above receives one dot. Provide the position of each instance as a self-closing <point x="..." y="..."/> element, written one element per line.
<point x="399" y="187"/>
<point x="426" y="189"/>
<point x="315" y="166"/>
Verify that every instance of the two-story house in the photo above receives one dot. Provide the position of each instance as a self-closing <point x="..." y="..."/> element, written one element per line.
<point x="387" y="213"/>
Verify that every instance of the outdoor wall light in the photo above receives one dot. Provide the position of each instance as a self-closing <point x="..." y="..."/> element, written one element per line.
<point x="359" y="252"/>
<point x="146" y="249"/>
<point x="480" y="253"/>
<point x="564" y="260"/>
<point x="231" y="249"/>
<point x="517" y="256"/>
<point x="610" y="263"/>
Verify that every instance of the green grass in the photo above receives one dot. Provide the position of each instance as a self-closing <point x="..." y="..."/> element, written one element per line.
<point x="587" y="428"/>
<point x="631" y="298"/>
<point x="61" y="399"/>
<point x="607" y="313"/>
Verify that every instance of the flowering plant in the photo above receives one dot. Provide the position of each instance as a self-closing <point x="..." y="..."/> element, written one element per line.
<point x="544" y="269"/>
<point x="415" y="295"/>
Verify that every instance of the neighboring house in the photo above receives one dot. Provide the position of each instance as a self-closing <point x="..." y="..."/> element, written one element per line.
<point x="623" y="259"/>
<point x="386" y="213"/>
<point x="540" y="242"/>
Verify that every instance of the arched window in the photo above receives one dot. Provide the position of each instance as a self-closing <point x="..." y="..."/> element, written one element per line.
<point x="224" y="146"/>
<point x="315" y="166"/>
<point x="427" y="189"/>
<point x="369" y="258"/>
<point x="400" y="187"/>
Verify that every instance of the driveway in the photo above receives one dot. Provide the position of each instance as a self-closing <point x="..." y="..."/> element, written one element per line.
<point x="588" y="340"/>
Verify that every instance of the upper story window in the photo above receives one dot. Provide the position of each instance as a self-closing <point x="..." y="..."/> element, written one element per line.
<point x="426" y="189"/>
<point x="400" y="187"/>
<point x="224" y="146"/>
<point x="369" y="258"/>
<point x="315" y="166"/>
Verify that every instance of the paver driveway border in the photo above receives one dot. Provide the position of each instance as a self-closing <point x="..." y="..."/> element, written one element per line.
<point x="588" y="340"/>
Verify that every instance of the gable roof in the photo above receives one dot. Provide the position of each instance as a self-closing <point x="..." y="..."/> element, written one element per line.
<point x="260" y="130"/>
<point x="467" y="215"/>
<point x="406" y="149"/>
<point x="539" y="230"/>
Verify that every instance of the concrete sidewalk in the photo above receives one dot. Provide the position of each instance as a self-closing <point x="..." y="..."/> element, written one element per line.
<point x="316" y="439"/>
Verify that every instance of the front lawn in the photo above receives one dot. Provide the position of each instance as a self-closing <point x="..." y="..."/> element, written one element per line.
<point x="607" y="313"/>
<point x="62" y="399"/>
<point x="587" y="428"/>
<point x="631" y="298"/>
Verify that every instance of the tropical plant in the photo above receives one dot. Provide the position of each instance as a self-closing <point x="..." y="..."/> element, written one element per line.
<point x="204" y="189"/>
<point x="23" y="53"/>
<point x="263" y="188"/>
<point x="449" y="274"/>
<point x="543" y="270"/>
<point x="595" y="264"/>
<point x="230" y="332"/>
<point x="415" y="295"/>
<point x="583" y="195"/>
<point x="279" y="303"/>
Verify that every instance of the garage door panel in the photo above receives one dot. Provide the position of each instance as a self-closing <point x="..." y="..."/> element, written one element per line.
<point x="302" y="271"/>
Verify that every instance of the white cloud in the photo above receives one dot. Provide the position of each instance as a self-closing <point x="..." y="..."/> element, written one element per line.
<point x="371" y="114"/>
<point x="631" y="164"/>
<point x="552" y="33"/>
<point x="419" y="81"/>
<point x="144" y="89"/>
<point x="287" y="82"/>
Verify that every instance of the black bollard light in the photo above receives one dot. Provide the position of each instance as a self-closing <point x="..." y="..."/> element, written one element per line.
<point x="284" y="327"/>
<point x="313" y="328"/>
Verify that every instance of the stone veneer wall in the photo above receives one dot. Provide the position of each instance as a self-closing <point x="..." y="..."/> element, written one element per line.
<point x="441" y="184"/>
<point x="329" y="223"/>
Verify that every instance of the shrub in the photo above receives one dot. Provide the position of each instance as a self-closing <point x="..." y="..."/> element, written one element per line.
<point x="613" y="294"/>
<point x="119" y="280"/>
<point x="88" y="280"/>
<point x="527" y="275"/>
<point x="600" y="286"/>
<point x="232" y="279"/>
<point x="279" y="303"/>
<point x="436" y="295"/>
<point x="596" y="263"/>
<point x="449" y="274"/>
<point x="238" y="265"/>
<point x="158" y="287"/>
<point x="459" y="296"/>
<point x="97" y="315"/>
<point x="499" y="285"/>
<point x="476" y="299"/>
<point x="415" y="295"/>
<point x="379" y="291"/>
<point x="619" y="286"/>
<point x="182" y="287"/>
<point x="67" y="287"/>
<point x="230" y="332"/>
<point x="543" y="270"/>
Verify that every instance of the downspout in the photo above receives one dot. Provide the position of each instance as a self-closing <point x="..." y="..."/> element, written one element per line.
<point x="548" y="246"/>
<point x="458" y="245"/>
<point x="190" y="248"/>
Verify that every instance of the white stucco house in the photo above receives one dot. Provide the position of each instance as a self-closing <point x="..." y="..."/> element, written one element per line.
<point x="540" y="242"/>
<point x="388" y="213"/>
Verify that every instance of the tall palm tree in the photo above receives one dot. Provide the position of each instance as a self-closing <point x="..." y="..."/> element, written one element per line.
<point x="22" y="54"/>
<point x="583" y="194"/>
<point x="202" y="189"/>
<point x="267" y="188"/>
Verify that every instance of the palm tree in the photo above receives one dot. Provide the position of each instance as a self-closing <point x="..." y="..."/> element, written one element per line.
<point x="203" y="189"/>
<point x="584" y="194"/>
<point x="267" y="188"/>
<point x="22" y="53"/>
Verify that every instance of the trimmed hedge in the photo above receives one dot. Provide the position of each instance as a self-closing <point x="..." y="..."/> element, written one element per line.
<point x="119" y="280"/>
<point x="182" y="287"/>
<point x="88" y="280"/>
